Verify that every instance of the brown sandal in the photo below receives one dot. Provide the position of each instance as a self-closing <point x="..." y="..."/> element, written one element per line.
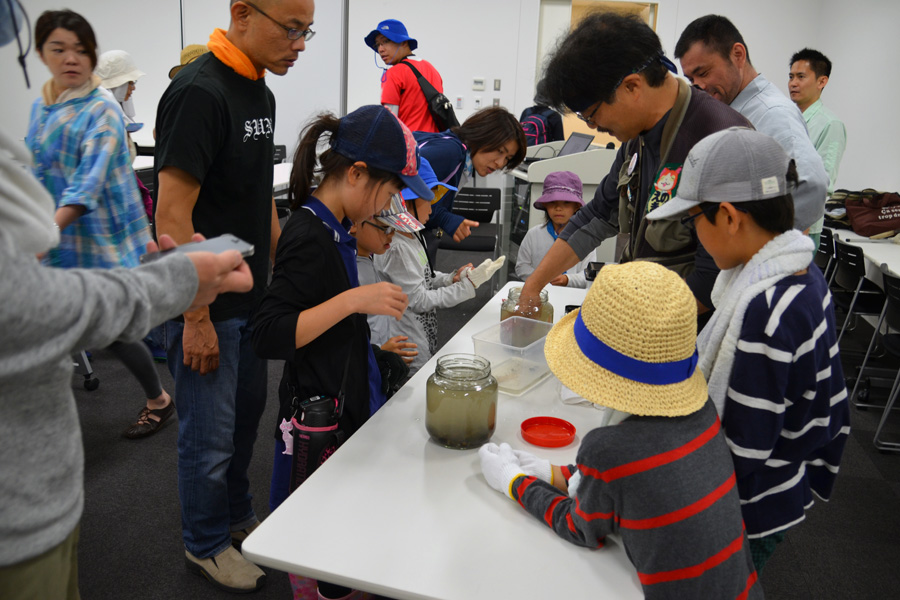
<point x="145" y="426"/>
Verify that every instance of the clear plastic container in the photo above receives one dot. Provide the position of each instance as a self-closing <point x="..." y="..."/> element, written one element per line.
<point x="511" y="305"/>
<point x="461" y="401"/>
<point x="515" y="348"/>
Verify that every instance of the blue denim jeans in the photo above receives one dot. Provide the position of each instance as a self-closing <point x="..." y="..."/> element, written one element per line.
<point x="218" y="414"/>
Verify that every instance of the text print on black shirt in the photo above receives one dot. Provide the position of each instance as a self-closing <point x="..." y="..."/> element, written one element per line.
<point x="257" y="127"/>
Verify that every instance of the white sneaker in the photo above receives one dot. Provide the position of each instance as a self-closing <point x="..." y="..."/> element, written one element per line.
<point x="228" y="570"/>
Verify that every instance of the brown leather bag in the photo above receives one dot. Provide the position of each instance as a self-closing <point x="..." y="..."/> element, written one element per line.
<point x="871" y="214"/>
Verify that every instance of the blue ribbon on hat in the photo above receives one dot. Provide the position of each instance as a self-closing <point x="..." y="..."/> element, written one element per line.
<point x="631" y="368"/>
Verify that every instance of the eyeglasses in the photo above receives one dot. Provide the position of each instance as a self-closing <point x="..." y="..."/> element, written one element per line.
<point x="387" y="230"/>
<point x="688" y="221"/>
<point x="293" y="34"/>
<point x="589" y="118"/>
<point x="708" y="209"/>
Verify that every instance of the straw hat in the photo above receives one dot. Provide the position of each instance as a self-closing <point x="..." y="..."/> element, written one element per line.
<point x="189" y="54"/>
<point x="638" y="324"/>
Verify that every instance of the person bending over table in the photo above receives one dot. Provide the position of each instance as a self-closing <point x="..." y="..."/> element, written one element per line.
<point x="612" y="72"/>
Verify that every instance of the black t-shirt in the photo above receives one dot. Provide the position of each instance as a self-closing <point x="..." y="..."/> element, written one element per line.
<point x="219" y="127"/>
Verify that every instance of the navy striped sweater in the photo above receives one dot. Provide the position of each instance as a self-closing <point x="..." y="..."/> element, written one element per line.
<point x="667" y="486"/>
<point x="786" y="415"/>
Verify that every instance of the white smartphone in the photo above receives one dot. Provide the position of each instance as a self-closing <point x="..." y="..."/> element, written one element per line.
<point x="216" y="245"/>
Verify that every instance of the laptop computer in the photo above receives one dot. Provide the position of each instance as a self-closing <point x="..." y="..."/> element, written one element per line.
<point x="576" y="142"/>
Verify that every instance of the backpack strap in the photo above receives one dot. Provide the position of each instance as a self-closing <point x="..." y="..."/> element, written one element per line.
<point x="453" y="172"/>
<point x="429" y="90"/>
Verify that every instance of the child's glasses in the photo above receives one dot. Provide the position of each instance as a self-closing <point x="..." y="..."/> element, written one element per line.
<point x="387" y="230"/>
<point x="706" y="208"/>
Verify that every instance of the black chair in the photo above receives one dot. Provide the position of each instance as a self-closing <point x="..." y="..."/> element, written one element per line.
<point x="851" y="290"/>
<point x="824" y="258"/>
<point x="476" y="204"/>
<point x="891" y="343"/>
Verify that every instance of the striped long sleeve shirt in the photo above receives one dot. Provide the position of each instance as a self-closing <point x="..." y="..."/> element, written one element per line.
<point x="786" y="415"/>
<point x="667" y="486"/>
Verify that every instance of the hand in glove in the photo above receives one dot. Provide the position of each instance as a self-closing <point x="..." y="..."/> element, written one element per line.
<point x="500" y="466"/>
<point x="531" y="464"/>
<point x="484" y="271"/>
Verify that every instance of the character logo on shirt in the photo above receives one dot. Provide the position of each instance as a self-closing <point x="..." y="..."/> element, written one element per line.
<point x="665" y="186"/>
<point x="254" y="128"/>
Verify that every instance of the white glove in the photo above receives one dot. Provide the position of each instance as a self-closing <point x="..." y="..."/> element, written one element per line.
<point x="500" y="467"/>
<point x="484" y="271"/>
<point x="531" y="464"/>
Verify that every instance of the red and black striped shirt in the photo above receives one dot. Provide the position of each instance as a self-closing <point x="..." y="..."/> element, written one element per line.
<point x="667" y="487"/>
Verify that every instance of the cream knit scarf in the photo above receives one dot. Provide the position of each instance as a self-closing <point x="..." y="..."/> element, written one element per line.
<point x="48" y="92"/>
<point x="785" y="255"/>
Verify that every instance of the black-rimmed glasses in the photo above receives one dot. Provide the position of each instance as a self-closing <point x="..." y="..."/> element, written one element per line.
<point x="708" y="209"/>
<point x="293" y="34"/>
<point x="589" y="118"/>
<point x="387" y="230"/>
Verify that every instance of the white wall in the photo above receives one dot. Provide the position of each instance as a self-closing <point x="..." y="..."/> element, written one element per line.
<point x="861" y="40"/>
<point x="151" y="33"/>
<point x="491" y="39"/>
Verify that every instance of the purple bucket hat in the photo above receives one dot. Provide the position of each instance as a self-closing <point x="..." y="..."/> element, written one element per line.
<point x="561" y="186"/>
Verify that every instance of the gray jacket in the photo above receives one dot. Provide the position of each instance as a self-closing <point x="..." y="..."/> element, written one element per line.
<point x="46" y="314"/>
<point x="406" y="265"/>
<point x="772" y="113"/>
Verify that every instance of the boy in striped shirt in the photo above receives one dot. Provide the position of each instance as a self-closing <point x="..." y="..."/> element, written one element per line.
<point x="662" y="478"/>
<point x="770" y="350"/>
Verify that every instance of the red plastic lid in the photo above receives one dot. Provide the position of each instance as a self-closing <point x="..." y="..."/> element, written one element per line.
<point x="549" y="432"/>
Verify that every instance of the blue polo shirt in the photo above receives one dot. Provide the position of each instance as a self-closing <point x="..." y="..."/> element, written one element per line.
<point x="346" y="246"/>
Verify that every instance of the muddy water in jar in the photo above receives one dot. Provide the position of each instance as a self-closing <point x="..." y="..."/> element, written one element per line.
<point x="511" y="305"/>
<point x="461" y="401"/>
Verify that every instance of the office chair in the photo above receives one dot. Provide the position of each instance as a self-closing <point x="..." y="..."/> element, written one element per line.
<point x="851" y="290"/>
<point x="476" y="204"/>
<point x="82" y="366"/>
<point x="282" y="206"/>
<point x="824" y="258"/>
<point x="890" y="342"/>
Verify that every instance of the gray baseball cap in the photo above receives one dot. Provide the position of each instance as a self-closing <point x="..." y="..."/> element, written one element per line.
<point x="732" y="165"/>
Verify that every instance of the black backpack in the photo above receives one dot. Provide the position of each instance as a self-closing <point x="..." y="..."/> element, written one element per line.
<point x="536" y="128"/>
<point x="439" y="105"/>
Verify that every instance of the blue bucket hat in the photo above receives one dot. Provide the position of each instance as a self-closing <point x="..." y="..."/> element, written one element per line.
<point x="374" y="135"/>
<point x="393" y="30"/>
<point x="430" y="178"/>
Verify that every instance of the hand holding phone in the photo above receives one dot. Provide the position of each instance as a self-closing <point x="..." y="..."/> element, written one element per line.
<point x="216" y="245"/>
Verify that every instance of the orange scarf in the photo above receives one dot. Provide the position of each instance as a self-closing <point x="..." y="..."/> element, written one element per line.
<point x="228" y="53"/>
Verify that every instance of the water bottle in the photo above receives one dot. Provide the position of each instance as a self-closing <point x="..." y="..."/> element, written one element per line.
<point x="316" y="436"/>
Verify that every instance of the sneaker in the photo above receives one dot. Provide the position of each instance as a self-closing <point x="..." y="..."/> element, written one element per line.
<point x="228" y="570"/>
<point x="238" y="537"/>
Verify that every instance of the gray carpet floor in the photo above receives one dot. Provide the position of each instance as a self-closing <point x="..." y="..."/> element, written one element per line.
<point x="130" y="545"/>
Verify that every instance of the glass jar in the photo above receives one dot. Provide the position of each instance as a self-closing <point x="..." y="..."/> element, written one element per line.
<point x="542" y="313"/>
<point x="461" y="401"/>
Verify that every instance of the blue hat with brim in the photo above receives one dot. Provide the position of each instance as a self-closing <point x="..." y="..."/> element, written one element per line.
<point x="393" y="30"/>
<point x="374" y="135"/>
<point x="431" y="180"/>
